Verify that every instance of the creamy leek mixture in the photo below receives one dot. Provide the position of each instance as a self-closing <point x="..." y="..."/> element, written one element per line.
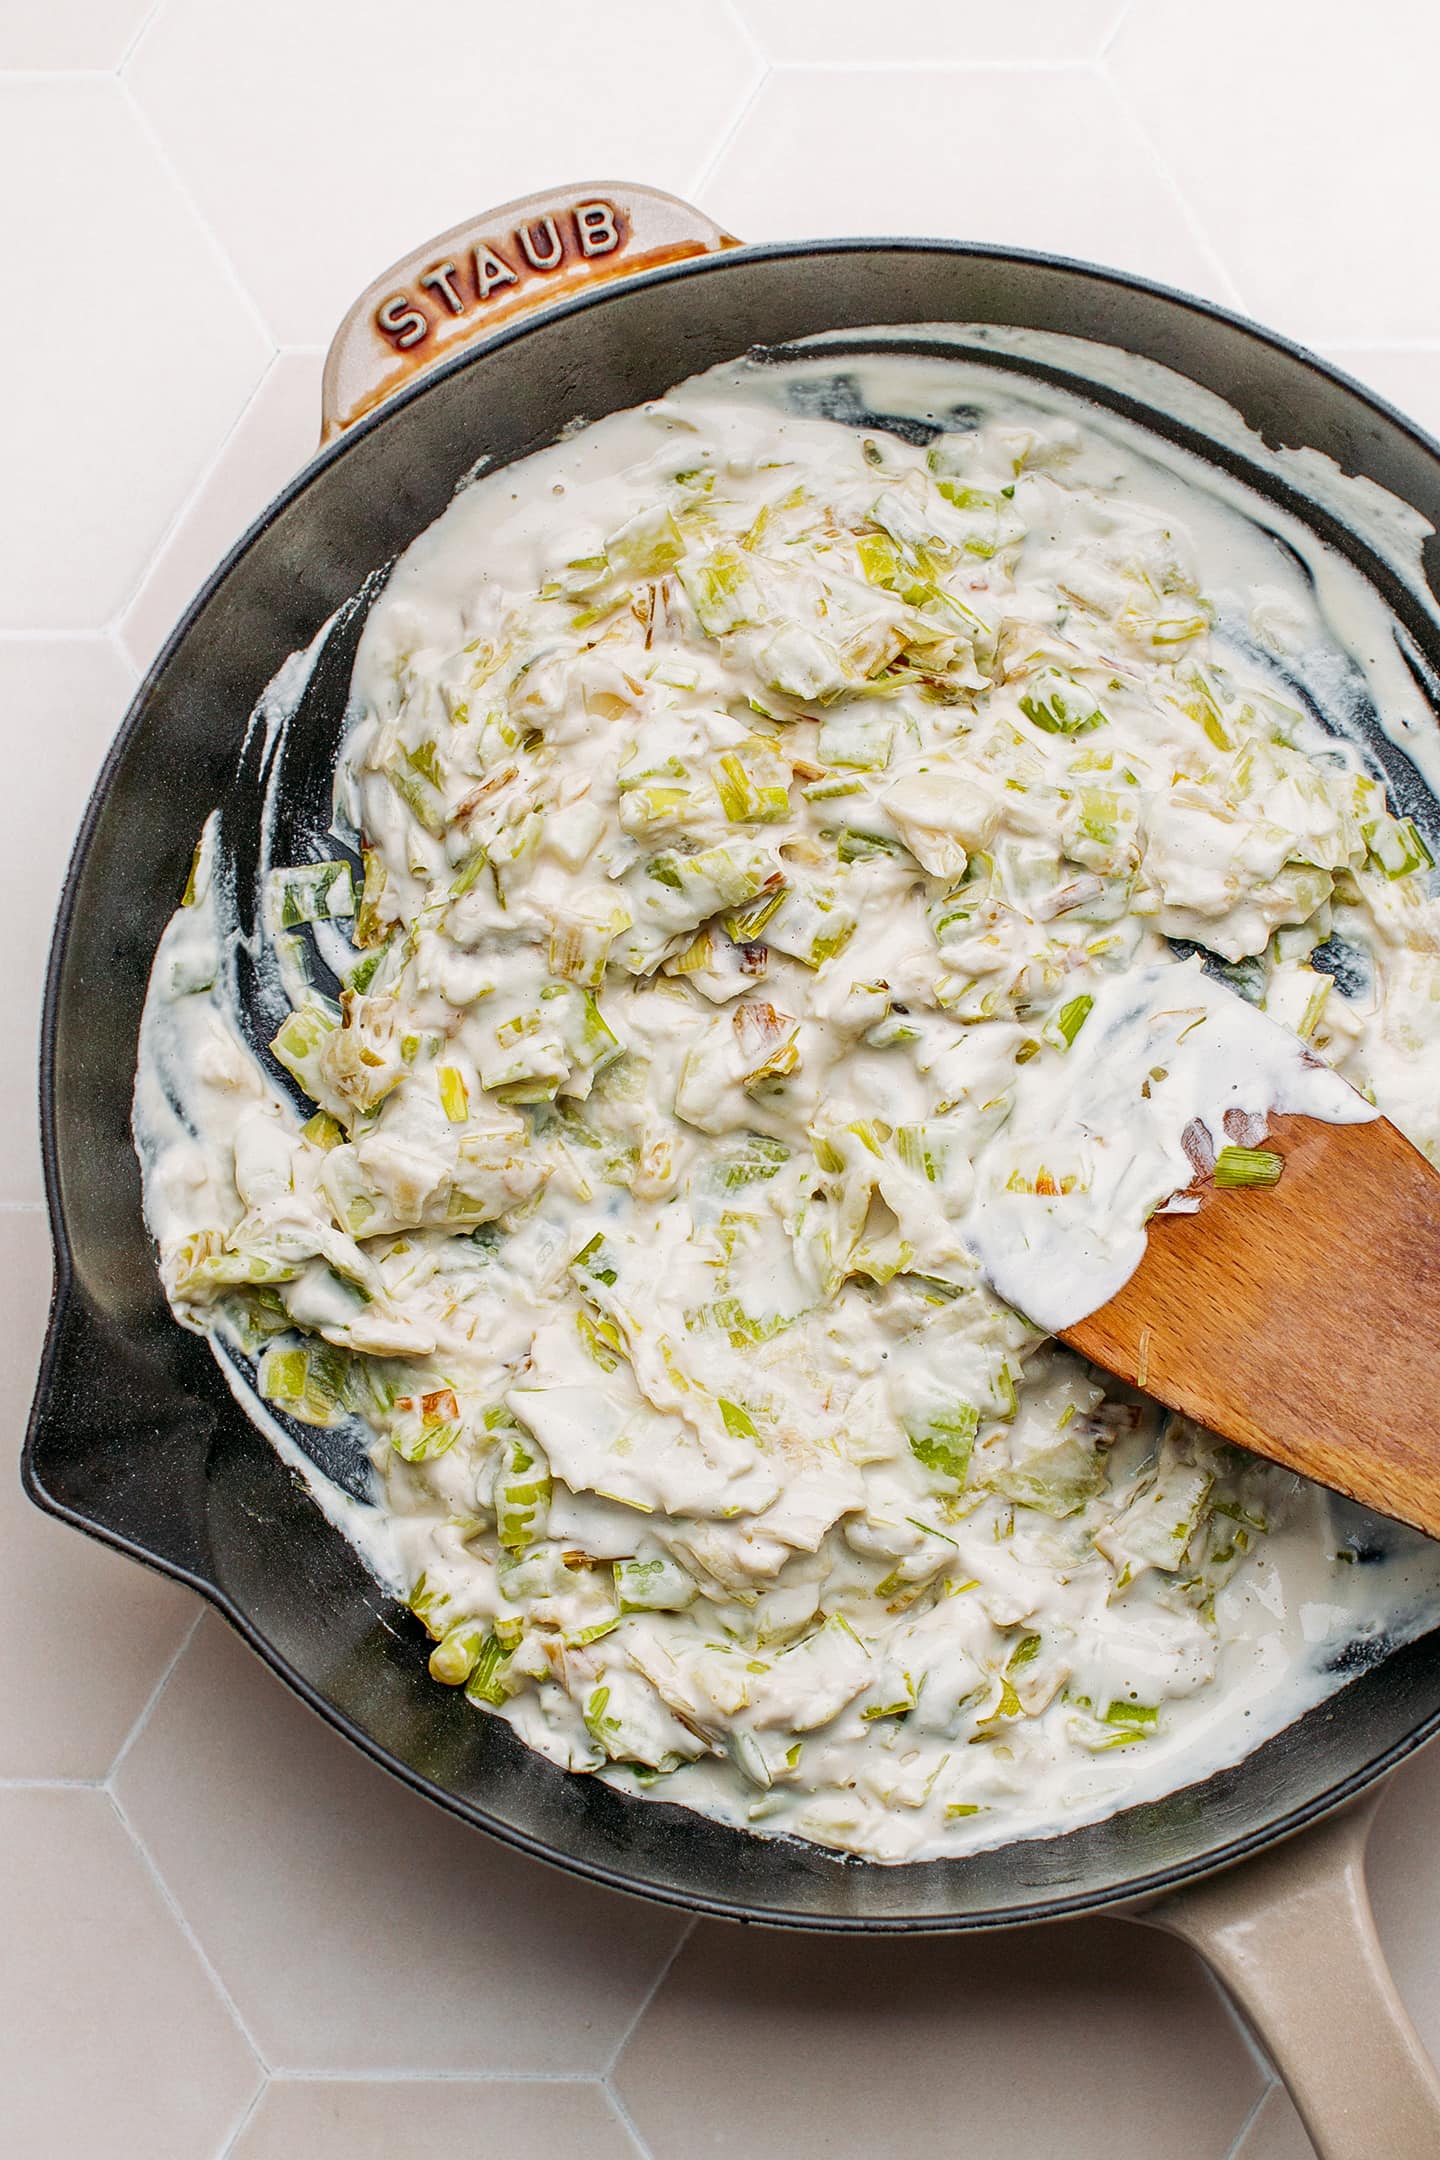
<point x="801" y="896"/>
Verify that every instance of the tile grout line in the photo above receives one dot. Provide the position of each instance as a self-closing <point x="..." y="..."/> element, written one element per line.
<point x="1231" y="295"/>
<point x="245" y="2120"/>
<point x="1238" y="2019"/>
<point x="741" y="115"/>
<point x="56" y="75"/>
<point x="1127" y="8"/>
<point x="173" y="174"/>
<point x="139" y="35"/>
<point x="650" y="1994"/>
<point x="152" y="1699"/>
<point x="377" y="2074"/>
<point x="51" y="1784"/>
<point x="747" y="35"/>
<point x="172" y="1905"/>
<point x="115" y="627"/>
<point x="921" y="66"/>
<point x="1250" y="2120"/>
<point x="626" y="2120"/>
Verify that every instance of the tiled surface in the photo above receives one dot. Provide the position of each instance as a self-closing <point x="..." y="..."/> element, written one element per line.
<point x="228" y="1937"/>
<point x="915" y="2031"/>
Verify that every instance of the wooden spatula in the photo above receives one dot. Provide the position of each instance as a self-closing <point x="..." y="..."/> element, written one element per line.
<point x="1301" y="1319"/>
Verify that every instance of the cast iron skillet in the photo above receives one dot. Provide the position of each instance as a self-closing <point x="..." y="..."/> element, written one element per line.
<point x="134" y="1436"/>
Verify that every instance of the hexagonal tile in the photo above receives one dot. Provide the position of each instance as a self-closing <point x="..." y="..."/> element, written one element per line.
<point x="69" y="33"/>
<point x="1406" y="375"/>
<point x="69" y="695"/>
<point x="806" y="31"/>
<point x="276" y="433"/>
<point x="358" y="1927"/>
<point x="84" y="1634"/>
<point x="368" y="2119"/>
<point x="1027" y="159"/>
<point x="1405" y="1889"/>
<point x="112" y="2037"/>
<point x="1276" y="2133"/>
<point x="779" y="2046"/>
<point x="319" y="166"/>
<point x="1293" y="156"/>
<point x="131" y="353"/>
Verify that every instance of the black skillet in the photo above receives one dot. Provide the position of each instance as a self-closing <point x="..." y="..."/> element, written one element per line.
<point x="486" y="344"/>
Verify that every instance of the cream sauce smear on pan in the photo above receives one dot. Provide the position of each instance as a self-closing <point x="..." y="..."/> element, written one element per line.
<point x="817" y="862"/>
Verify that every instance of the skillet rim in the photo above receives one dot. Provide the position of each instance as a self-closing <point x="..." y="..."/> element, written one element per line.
<point x="67" y="1300"/>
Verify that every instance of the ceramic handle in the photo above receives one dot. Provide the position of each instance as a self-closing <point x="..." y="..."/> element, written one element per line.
<point x="1290" y="1933"/>
<point x="506" y="263"/>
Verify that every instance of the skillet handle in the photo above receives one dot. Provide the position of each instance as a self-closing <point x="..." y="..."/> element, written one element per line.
<point x="505" y="264"/>
<point x="1290" y="1933"/>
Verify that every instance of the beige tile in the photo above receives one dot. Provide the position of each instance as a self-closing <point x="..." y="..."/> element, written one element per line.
<point x="357" y="1926"/>
<point x="113" y="2041"/>
<point x="1095" y="2040"/>
<point x="278" y="430"/>
<point x="379" y="132"/>
<point x="369" y="2119"/>
<point x="1407" y="376"/>
<point x="68" y="33"/>
<point x="795" y="32"/>
<point x="1037" y="160"/>
<point x="61" y="700"/>
<point x="84" y="1634"/>
<point x="131" y="356"/>
<point x="1405" y="1887"/>
<point x="1277" y="2133"/>
<point x="1308" y="164"/>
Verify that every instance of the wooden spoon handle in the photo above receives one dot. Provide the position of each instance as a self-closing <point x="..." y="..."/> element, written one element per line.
<point x="1301" y="1319"/>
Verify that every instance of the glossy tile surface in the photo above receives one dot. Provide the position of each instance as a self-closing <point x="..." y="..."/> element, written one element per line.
<point x="226" y="1935"/>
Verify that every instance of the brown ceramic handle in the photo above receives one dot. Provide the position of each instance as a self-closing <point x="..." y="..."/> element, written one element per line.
<point x="1290" y="1934"/>
<point x="503" y="264"/>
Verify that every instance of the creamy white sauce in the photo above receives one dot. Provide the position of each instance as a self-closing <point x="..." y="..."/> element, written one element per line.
<point x="781" y="832"/>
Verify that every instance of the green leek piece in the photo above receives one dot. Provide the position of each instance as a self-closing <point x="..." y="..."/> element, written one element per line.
<point x="522" y="1491"/>
<point x="306" y="1382"/>
<point x="757" y="1159"/>
<point x="1063" y="1028"/>
<point x="1236" y="1166"/>
<point x="454" y="1095"/>
<point x="300" y="1040"/>
<point x="652" y="1582"/>
<point x="486" y="1683"/>
<point x="1057" y="705"/>
<point x="942" y="1442"/>
<point x="457" y="1653"/>
<point x="313" y="892"/>
<point x="1397" y="846"/>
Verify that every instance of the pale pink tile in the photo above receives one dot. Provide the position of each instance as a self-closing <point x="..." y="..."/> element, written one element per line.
<point x="1301" y="134"/>
<point x="68" y="33"/>
<point x="1094" y="2040"/>
<point x="1048" y="160"/>
<point x="1277" y="2133"/>
<point x="61" y="700"/>
<point x="113" y="2042"/>
<point x="804" y="32"/>
<point x="358" y="1927"/>
<point x="275" y="435"/>
<point x="84" y="1634"/>
<point x="128" y="355"/>
<point x="342" y="142"/>
<point x="368" y="2119"/>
